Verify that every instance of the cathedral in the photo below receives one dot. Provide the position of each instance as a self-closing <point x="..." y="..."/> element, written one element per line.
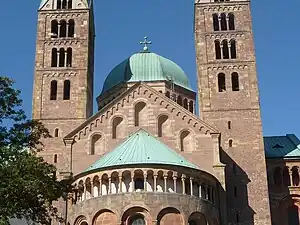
<point x="145" y="157"/>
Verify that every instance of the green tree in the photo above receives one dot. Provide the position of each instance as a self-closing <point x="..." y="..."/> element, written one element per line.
<point x="28" y="184"/>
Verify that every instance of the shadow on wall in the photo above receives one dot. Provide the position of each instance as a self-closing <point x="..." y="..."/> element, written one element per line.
<point x="282" y="178"/>
<point x="19" y="222"/>
<point x="238" y="209"/>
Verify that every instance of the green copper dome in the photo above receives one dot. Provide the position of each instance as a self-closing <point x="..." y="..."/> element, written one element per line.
<point x="146" y="66"/>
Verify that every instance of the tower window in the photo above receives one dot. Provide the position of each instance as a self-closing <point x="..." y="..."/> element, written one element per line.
<point x="71" y="28"/>
<point x="235" y="192"/>
<point x="53" y="90"/>
<point x="235" y="81"/>
<point x="55" y="158"/>
<point x="218" y="49"/>
<point x="179" y="100"/>
<point x="185" y="104"/>
<point x="116" y="127"/>
<point x="58" y="6"/>
<point x="139" y="184"/>
<point x="233" y="49"/>
<point x="168" y="94"/>
<point x="64" y="4"/>
<point x="221" y="82"/>
<point x="70" y="4"/>
<point x="230" y="143"/>
<point x="56" y="132"/>
<point x="54" y="28"/>
<point x="216" y="22"/>
<point x="67" y="89"/>
<point x="139" y="107"/>
<point x="295" y="176"/>
<point x="63" y="28"/>
<point x="223" y="22"/>
<point x="69" y="57"/>
<point x="229" y="125"/>
<point x="225" y="49"/>
<point x="184" y="139"/>
<point x="191" y="106"/>
<point x="277" y="176"/>
<point x="161" y="122"/>
<point x="62" y="57"/>
<point x="286" y="177"/>
<point x="54" y="57"/>
<point x="231" y="21"/>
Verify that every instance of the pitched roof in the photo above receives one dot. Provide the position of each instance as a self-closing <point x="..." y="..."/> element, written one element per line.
<point x="141" y="148"/>
<point x="282" y="146"/>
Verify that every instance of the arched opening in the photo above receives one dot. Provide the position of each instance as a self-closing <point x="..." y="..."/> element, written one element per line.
<point x="64" y="4"/>
<point x="277" y="176"/>
<point x="233" y="49"/>
<point x="168" y="94"/>
<point x="286" y="177"/>
<point x="218" y="49"/>
<point x="63" y="28"/>
<point x="61" y="57"/>
<point x="235" y="81"/>
<point x="184" y="140"/>
<point x="179" y="100"/>
<point x="216" y="22"/>
<point x="139" y="107"/>
<point x="55" y="158"/>
<point x="54" y="57"/>
<point x="231" y="21"/>
<point x="54" y="29"/>
<point x="169" y="216"/>
<point x="185" y="104"/>
<point x="56" y="132"/>
<point x="69" y="57"/>
<point x="191" y="106"/>
<point x="71" y="28"/>
<point x="293" y="215"/>
<point x="58" y="4"/>
<point x="225" y="49"/>
<point x="295" y="176"/>
<point x="70" y="4"/>
<point x="223" y="22"/>
<point x="197" y="218"/>
<point x="221" y="82"/>
<point x="53" y="90"/>
<point x="137" y="219"/>
<point x="230" y="143"/>
<point x="96" y="144"/>
<point x="67" y="89"/>
<point x="161" y="125"/>
<point x="139" y="184"/>
<point x="116" y="127"/>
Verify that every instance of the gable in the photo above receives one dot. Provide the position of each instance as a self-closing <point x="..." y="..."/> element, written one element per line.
<point x="141" y="90"/>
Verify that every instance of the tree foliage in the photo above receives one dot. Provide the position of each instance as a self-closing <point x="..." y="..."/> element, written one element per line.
<point x="28" y="185"/>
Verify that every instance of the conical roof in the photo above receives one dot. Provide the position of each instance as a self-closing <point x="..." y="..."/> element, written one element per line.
<point x="141" y="148"/>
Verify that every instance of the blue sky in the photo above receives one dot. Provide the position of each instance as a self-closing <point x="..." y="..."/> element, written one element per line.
<point x="121" y="25"/>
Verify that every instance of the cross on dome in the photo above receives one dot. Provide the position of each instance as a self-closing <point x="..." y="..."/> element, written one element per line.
<point x="145" y="43"/>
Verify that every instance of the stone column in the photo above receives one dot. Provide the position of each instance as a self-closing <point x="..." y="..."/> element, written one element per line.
<point x="200" y="190"/>
<point x="84" y="193"/>
<point x="58" y="31"/>
<point x="219" y="19"/>
<point x="155" y="181"/>
<point x="66" y="58"/>
<point x="109" y="185"/>
<point x="227" y="22"/>
<point x="175" y="183"/>
<point x="58" y="58"/>
<point x="183" y="183"/>
<point x="191" y="186"/>
<point x="92" y="189"/>
<point x="132" y="183"/>
<point x="145" y="181"/>
<point x="120" y="184"/>
<point x="165" y="182"/>
<point x="229" y="49"/>
<point x="100" y="187"/>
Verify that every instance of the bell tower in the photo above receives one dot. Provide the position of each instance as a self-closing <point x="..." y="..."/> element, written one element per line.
<point x="64" y="65"/>
<point x="229" y="100"/>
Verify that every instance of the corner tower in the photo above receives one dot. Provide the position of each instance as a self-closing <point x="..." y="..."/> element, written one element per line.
<point x="63" y="80"/>
<point x="229" y="100"/>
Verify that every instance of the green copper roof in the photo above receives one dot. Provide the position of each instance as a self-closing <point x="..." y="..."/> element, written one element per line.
<point x="146" y="66"/>
<point x="141" y="148"/>
<point x="282" y="146"/>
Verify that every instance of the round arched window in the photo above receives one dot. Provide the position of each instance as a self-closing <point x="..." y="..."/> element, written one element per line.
<point x="137" y="220"/>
